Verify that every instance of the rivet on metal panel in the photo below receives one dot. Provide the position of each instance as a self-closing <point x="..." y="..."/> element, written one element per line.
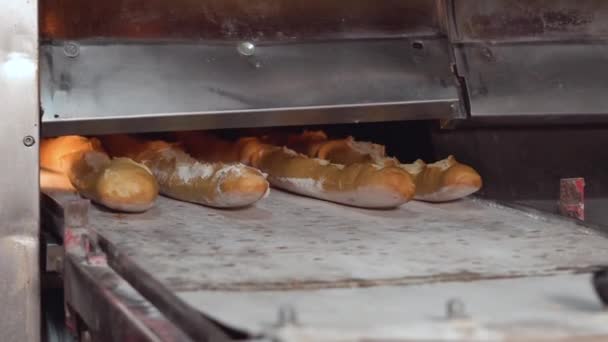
<point x="29" y="141"/>
<point x="287" y="316"/>
<point x="71" y="49"/>
<point x="77" y="213"/>
<point x="455" y="309"/>
<point x="246" y="48"/>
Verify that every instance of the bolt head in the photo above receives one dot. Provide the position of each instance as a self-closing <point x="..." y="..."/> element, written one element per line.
<point x="246" y="48"/>
<point x="29" y="141"/>
<point x="71" y="49"/>
<point x="455" y="309"/>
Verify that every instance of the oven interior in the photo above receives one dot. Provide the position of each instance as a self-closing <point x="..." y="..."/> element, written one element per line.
<point x="512" y="88"/>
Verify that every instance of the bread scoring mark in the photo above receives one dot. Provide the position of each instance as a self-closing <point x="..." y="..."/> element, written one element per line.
<point x="367" y="196"/>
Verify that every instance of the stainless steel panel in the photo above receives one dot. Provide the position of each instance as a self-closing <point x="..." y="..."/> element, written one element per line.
<point x="282" y="20"/>
<point x="542" y="80"/>
<point x="292" y="245"/>
<point x="19" y="259"/>
<point x="528" y="20"/>
<point x="151" y="87"/>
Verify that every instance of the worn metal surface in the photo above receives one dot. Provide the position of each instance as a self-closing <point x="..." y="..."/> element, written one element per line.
<point x="110" y="308"/>
<point x="535" y="61"/>
<point x="505" y="309"/>
<point x="528" y="20"/>
<point x="595" y="209"/>
<point x="330" y="262"/>
<point x="289" y="242"/>
<point x="282" y="20"/>
<point x="147" y="87"/>
<point x="19" y="259"/>
<point x="540" y="80"/>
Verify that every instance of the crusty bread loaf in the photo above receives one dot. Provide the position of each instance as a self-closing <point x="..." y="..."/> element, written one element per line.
<point x="53" y="151"/>
<point x="182" y="177"/>
<point x="348" y="151"/>
<point x="443" y="181"/>
<point x="362" y="185"/>
<point x="118" y="184"/>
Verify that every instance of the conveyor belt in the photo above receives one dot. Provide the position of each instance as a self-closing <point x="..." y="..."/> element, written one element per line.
<point x="287" y="247"/>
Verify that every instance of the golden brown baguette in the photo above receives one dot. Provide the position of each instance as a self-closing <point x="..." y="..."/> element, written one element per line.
<point x="362" y="185"/>
<point x="442" y="181"/>
<point x="53" y="151"/>
<point x="119" y="184"/>
<point x="182" y="177"/>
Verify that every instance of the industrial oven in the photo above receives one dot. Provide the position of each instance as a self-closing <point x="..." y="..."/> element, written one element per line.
<point x="515" y="88"/>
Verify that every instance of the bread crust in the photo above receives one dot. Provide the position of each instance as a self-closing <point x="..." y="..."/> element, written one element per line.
<point x="180" y="176"/>
<point x="119" y="184"/>
<point x="362" y="185"/>
<point x="442" y="181"/>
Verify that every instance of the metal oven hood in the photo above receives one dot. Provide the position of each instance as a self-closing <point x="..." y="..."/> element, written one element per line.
<point x="223" y="64"/>
<point x="146" y="87"/>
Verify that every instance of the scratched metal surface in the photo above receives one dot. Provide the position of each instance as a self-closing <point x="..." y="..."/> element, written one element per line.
<point x="290" y="242"/>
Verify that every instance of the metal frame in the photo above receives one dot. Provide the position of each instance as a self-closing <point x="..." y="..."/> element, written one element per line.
<point x="159" y="297"/>
<point x="19" y="200"/>
<point x="96" y="297"/>
<point x="104" y="304"/>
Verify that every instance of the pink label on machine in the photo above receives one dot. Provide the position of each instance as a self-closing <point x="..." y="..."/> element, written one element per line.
<point x="572" y="197"/>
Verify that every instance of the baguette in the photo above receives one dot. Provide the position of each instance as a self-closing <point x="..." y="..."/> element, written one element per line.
<point x="118" y="184"/>
<point x="182" y="177"/>
<point x="53" y="151"/>
<point x="362" y="185"/>
<point x="442" y="181"/>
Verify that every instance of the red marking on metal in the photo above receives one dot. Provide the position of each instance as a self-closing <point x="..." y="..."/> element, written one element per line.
<point x="70" y="239"/>
<point x="572" y="197"/>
